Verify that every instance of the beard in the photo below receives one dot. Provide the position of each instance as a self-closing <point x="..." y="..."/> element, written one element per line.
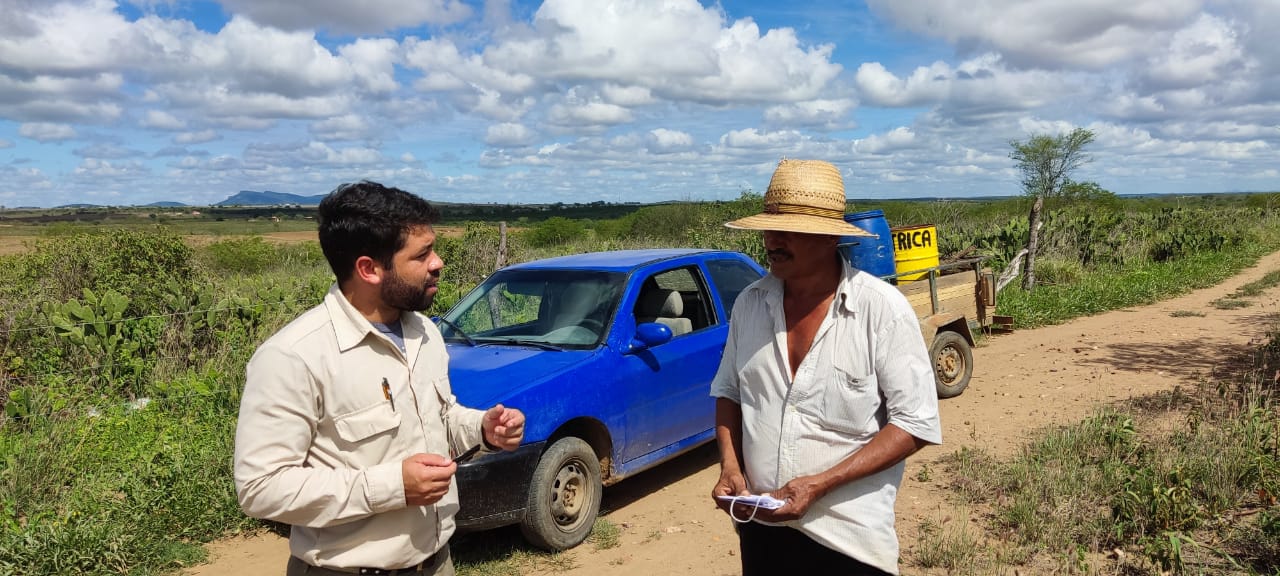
<point x="406" y="296"/>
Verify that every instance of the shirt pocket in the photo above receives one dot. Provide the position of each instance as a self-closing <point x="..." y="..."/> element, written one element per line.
<point x="435" y="415"/>
<point x="365" y="424"/>
<point x="850" y="404"/>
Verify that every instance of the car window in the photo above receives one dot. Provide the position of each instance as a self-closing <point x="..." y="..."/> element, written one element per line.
<point x="676" y="298"/>
<point x="503" y="305"/>
<point x="567" y="308"/>
<point x="731" y="277"/>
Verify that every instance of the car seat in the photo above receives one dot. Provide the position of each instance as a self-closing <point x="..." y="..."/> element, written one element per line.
<point x="664" y="307"/>
<point x="574" y="318"/>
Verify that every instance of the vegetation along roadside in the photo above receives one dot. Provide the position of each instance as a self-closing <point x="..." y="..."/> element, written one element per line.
<point x="1184" y="481"/>
<point x="122" y="352"/>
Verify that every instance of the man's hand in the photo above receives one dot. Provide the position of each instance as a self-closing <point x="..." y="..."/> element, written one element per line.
<point x="426" y="478"/>
<point x="800" y="493"/>
<point x="503" y="427"/>
<point x="732" y="483"/>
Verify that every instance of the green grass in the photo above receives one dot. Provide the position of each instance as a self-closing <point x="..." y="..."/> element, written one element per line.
<point x="1237" y="299"/>
<point x="605" y="534"/>
<point x="1186" y="314"/>
<point x="951" y="546"/>
<point x="187" y="226"/>
<point x="1181" y="482"/>
<point x="1255" y="288"/>
<point x="125" y="490"/>
<point x="1110" y="289"/>
<point x="504" y="552"/>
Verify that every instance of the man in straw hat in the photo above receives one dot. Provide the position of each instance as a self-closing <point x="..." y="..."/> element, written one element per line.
<point x="824" y="389"/>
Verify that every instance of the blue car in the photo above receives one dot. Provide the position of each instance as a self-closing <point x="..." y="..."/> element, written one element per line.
<point x="610" y="355"/>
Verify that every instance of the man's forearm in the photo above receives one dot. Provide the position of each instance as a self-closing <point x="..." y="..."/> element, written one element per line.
<point x="889" y="446"/>
<point x="729" y="433"/>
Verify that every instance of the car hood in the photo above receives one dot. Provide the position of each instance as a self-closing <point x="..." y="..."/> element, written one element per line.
<point x="482" y="376"/>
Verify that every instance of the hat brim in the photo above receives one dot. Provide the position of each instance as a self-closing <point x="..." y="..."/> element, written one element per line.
<point x="800" y="223"/>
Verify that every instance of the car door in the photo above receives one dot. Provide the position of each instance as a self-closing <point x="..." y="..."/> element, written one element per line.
<point x="669" y="399"/>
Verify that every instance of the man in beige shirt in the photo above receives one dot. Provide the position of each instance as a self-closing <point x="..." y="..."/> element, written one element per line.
<point x="825" y="387"/>
<point x="348" y="422"/>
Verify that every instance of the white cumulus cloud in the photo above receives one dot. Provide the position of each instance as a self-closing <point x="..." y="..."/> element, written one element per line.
<point x="161" y="120"/>
<point x="1206" y="52"/>
<point x="665" y="140"/>
<point x="367" y="16"/>
<point x="509" y="134"/>
<point x="587" y="114"/>
<point x="676" y="49"/>
<point x="345" y="127"/>
<point x="926" y="85"/>
<point x="1046" y="33"/>
<point x="47" y="132"/>
<point x="199" y="137"/>
<point x="821" y="113"/>
<point x="897" y="139"/>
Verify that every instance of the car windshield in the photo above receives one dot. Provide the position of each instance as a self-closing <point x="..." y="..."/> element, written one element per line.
<point x="567" y="309"/>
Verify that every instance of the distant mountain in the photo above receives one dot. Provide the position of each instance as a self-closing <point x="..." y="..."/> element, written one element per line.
<point x="80" y="206"/>
<point x="269" y="198"/>
<point x="165" y="204"/>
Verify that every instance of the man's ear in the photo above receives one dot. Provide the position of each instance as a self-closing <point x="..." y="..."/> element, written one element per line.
<point x="369" y="271"/>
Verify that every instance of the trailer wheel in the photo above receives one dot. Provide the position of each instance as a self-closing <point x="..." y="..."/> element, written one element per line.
<point x="952" y="363"/>
<point x="564" y="497"/>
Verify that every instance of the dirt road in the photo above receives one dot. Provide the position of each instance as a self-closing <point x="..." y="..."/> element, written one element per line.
<point x="1022" y="381"/>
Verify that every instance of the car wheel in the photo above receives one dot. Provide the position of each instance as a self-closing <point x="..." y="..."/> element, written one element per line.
<point x="952" y="363"/>
<point x="564" y="496"/>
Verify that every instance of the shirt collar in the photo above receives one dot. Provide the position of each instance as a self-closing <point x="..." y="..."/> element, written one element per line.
<point x="351" y="327"/>
<point x="846" y="291"/>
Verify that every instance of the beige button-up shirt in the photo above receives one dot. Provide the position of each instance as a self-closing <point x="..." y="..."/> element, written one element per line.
<point x="868" y="367"/>
<point x="319" y="446"/>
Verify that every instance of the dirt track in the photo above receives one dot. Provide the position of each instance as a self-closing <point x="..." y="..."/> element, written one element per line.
<point x="1022" y="381"/>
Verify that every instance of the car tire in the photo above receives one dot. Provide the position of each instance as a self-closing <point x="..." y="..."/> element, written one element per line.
<point x="952" y="363"/>
<point x="564" y="496"/>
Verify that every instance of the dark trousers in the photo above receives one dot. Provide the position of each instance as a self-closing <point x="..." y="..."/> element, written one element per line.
<point x="770" y="550"/>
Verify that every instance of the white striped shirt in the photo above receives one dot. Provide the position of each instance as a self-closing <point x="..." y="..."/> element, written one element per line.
<point x="868" y="367"/>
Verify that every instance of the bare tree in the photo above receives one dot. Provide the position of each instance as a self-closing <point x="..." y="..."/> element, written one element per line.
<point x="1046" y="163"/>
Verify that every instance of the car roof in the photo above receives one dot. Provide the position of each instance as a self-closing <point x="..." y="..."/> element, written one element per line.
<point x="612" y="261"/>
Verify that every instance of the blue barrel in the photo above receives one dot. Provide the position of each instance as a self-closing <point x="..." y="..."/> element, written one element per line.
<point x="872" y="255"/>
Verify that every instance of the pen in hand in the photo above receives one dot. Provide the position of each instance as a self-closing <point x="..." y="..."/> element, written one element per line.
<point x="463" y="457"/>
<point x="386" y="393"/>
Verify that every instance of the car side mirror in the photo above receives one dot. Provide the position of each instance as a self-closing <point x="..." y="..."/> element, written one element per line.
<point x="650" y="334"/>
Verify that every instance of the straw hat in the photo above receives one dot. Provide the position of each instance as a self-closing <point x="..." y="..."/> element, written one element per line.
<point x="805" y="196"/>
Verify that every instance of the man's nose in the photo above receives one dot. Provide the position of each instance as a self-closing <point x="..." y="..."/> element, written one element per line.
<point x="774" y="239"/>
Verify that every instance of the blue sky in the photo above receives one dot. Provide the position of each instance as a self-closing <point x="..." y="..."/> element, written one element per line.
<point x="136" y="101"/>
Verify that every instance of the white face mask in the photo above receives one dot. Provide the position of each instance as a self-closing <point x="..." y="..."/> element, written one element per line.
<point x="755" y="502"/>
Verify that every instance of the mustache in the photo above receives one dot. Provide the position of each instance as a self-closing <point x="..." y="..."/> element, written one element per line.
<point x="778" y="252"/>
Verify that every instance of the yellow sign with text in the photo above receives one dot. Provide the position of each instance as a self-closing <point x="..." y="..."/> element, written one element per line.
<point x="914" y="248"/>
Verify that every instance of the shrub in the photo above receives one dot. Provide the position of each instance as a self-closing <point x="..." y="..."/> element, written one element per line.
<point x="135" y="263"/>
<point x="253" y="254"/>
<point x="669" y="222"/>
<point x="555" y="230"/>
<point x="247" y="255"/>
<point x="1051" y="271"/>
<point x="472" y="258"/>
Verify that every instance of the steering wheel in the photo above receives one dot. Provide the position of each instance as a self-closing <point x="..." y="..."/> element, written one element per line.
<point x="592" y="324"/>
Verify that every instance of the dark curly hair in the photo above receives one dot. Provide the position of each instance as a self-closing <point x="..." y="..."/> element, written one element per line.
<point x="368" y="219"/>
